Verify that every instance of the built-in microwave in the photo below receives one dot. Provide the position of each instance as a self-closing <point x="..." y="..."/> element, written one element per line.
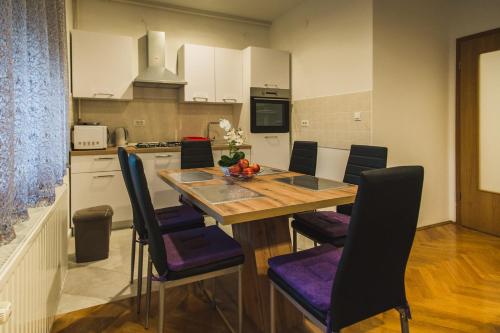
<point x="269" y="110"/>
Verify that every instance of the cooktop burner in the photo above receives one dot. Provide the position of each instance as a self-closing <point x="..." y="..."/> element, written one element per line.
<point x="158" y="144"/>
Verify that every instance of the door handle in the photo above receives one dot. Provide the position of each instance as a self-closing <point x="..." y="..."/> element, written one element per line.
<point x="200" y="99"/>
<point x="163" y="156"/>
<point x="104" y="176"/>
<point x="103" y="94"/>
<point x="270" y="85"/>
<point x="104" y="158"/>
<point x="228" y="100"/>
<point x="271" y="137"/>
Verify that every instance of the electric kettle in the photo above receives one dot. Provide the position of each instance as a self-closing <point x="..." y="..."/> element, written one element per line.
<point x="121" y="137"/>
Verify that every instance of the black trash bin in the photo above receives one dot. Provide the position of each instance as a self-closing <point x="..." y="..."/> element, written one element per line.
<point x="92" y="233"/>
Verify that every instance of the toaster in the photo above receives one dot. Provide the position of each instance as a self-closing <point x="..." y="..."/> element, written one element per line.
<point x="90" y="137"/>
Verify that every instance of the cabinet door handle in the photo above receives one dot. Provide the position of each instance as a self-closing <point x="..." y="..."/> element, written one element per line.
<point x="229" y="100"/>
<point x="200" y="99"/>
<point x="104" y="158"/>
<point x="270" y="85"/>
<point x="271" y="137"/>
<point x="104" y="176"/>
<point x="103" y="94"/>
<point x="163" y="156"/>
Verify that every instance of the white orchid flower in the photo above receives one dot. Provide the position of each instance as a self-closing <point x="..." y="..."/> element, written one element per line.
<point x="225" y="124"/>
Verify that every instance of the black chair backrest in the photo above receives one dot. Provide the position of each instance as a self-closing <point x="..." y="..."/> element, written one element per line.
<point x="371" y="271"/>
<point x="196" y="154"/>
<point x="304" y="157"/>
<point x="156" y="246"/>
<point x="137" y="219"/>
<point x="362" y="158"/>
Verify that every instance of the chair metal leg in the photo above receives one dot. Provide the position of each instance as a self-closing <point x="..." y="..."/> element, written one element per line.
<point x="161" y="308"/>
<point x="240" y="302"/>
<point x="139" y="277"/>
<point x="148" y="290"/>
<point x="132" y="256"/>
<point x="294" y="233"/>
<point x="403" y="316"/>
<point x="273" y="319"/>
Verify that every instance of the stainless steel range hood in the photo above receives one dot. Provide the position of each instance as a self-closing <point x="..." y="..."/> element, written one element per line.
<point x="156" y="75"/>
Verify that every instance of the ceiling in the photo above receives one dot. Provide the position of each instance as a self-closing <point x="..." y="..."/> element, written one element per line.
<point x="261" y="10"/>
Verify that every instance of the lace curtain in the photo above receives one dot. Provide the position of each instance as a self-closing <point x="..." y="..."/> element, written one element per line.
<point x="33" y="107"/>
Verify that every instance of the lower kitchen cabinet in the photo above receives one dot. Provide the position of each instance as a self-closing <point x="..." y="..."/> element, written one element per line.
<point x="97" y="180"/>
<point x="102" y="184"/>
<point x="101" y="188"/>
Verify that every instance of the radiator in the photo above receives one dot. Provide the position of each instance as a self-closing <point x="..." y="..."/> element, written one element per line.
<point x="33" y="277"/>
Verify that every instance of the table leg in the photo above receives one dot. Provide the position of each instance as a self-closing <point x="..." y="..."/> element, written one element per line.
<point x="260" y="241"/>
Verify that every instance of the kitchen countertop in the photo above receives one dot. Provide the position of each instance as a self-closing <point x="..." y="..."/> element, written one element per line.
<point x="131" y="149"/>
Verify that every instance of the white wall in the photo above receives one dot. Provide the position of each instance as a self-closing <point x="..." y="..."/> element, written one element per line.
<point x="410" y="93"/>
<point x="331" y="46"/>
<point x="331" y="43"/>
<point x="133" y="20"/>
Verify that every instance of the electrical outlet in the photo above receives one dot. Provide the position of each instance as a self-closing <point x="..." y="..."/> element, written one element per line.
<point x="139" y="123"/>
<point x="356" y="116"/>
<point x="304" y="123"/>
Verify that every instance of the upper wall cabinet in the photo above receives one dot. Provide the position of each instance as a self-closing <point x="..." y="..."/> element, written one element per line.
<point x="269" y="68"/>
<point x="103" y="66"/>
<point x="213" y="75"/>
<point x="196" y="65"/>
<point x="228" y="76"/>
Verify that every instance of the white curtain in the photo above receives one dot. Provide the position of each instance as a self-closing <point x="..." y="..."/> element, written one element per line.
<point x="33" y="107"/>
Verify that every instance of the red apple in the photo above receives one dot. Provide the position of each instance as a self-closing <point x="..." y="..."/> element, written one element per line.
<point x="255" y="167"/>
<point x="243" y="163"/>
<point x="248" y="171"/>
<point x="235" y="169"/>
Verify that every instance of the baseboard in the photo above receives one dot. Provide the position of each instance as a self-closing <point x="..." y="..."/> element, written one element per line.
<point x="439" y="224"/>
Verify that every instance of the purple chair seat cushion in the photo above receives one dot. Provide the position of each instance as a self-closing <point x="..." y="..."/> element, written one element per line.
<point x="323" y="226"/>
<point x="178" y="218"/>
<point x="199" y="247"/>
<point x="309" y="274"/>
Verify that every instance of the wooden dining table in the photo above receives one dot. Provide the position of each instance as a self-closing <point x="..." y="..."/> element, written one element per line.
<point x="258" y="211"/>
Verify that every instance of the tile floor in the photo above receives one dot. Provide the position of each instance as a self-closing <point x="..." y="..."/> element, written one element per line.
<point x="103" y="281"/>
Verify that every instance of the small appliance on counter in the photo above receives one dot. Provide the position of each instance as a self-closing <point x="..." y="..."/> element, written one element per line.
<point x="121" y="137"/>
<point x="87" y="137"/>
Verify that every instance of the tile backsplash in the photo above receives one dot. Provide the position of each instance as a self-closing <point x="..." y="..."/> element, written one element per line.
<point x="165" y="118"/>
<point x="331" y="120"/>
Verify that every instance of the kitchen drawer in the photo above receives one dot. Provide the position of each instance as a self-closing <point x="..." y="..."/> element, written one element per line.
<point x="162" y="195"/>
<point x="101" y="188"/>
<point x="94" y="163"/>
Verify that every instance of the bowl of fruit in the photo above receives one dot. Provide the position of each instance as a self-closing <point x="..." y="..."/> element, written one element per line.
<point x="243" y="169"/>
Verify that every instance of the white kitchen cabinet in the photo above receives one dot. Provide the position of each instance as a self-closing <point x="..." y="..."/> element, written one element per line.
<point x="97" y="180"/>
<point x="228" y="75"/>
<point x="162" y="195"/>
<point x="196" y="64"/>
<point x="269" y="68"/>
<point x="103" y="65"/>
<point x="271" y="150"/>
<point x="91" y="189"/>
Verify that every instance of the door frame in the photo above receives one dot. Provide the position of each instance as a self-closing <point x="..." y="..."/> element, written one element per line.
<point x="457" y="115"/>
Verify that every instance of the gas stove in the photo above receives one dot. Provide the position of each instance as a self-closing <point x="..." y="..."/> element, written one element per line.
<point x="158" y="144"/>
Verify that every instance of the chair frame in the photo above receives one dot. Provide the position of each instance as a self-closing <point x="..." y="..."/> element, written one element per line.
<point x="404" y="314"/>
<point x="188" y="280"/>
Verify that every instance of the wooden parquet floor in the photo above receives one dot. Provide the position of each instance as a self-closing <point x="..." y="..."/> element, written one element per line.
<point x="453" y="285"/>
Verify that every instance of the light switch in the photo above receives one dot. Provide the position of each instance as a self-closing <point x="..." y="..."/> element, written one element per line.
<point x="304" y="123"/>
<point x="356" y="116"/>
<point x="139" y="123"/>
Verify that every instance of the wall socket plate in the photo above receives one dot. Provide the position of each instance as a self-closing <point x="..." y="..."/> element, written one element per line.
<point x="356" y="116"/>
<point x="139" y="123"/>
<point x="304" y="123"/>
